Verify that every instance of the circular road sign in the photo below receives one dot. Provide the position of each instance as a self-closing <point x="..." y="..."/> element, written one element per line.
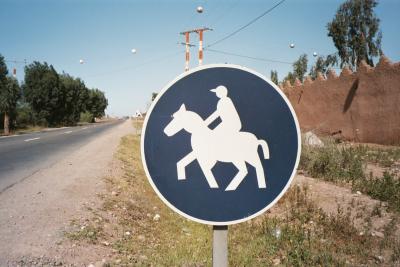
<point x="220" y="144"/>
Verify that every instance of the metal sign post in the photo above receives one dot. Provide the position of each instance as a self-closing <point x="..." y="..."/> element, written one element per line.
<point x="220" y="246"/>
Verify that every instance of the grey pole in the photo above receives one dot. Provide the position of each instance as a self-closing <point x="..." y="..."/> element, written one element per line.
<point x="220" y="246"/>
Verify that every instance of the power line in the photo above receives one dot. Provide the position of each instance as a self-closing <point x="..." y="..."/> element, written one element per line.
<point x="249" y="57"/>
<point x="155" y="60"/>
<point x="226" y="12"/>
<point x="248" y="24"/>
<point x="256" y="58"/>
<point x="16" y="61"/>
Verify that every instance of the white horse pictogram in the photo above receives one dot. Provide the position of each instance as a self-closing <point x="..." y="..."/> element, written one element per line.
<point x="209" y="146"/>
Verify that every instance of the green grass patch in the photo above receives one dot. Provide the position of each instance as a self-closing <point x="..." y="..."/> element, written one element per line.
<point x="385" y="157"/>
<point x="347" y="164"/>
<point x="386" y="188"/>
<point x="333" y="162"/>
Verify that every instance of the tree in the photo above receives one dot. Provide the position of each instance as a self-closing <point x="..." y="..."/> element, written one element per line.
<point x="97" y="103"/>
<point x="355" y="32"/>
<point x="290" y="77"/>
<point x="9" y="94"/>
<point x="322" y="65"/>
<point x="43" y="90"/>
<point x="274" y="76"/>
<point x="75" y="96"/>
<point x="3" y="70"/>
<point x="153" y="96"/>
<point x="24" y="114"/>
<point x="3" y="80"/>
<point x="299" y="69"/>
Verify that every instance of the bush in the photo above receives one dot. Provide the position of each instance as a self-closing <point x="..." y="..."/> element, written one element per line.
<point x="86" y="117"/>
<point x="24" y="116"/>
<point x="332" y="162"/>
<point x="386" y="188"/>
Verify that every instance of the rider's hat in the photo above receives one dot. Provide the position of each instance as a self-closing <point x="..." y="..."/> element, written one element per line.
<point x="220" y="89"/>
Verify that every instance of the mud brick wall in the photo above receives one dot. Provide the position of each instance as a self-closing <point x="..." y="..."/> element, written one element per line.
<point x="363" y="106"/>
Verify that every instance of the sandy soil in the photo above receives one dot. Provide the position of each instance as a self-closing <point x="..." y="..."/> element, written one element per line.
<point x="35" y="213"/>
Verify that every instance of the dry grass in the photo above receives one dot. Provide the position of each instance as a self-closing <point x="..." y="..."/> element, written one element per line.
<point x="303" y="235"/>
<point x="167" y="241"/>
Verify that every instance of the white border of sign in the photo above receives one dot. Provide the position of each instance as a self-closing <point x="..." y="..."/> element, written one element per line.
<point x="148" y="116"/>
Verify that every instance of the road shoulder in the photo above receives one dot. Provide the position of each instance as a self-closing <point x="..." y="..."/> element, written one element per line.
<point x="35" y="213"/>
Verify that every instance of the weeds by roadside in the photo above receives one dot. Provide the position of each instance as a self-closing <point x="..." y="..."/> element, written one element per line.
<point x="90" y="233"/>
<point x="332" y="163"/>
<point x="347" y="164"/>
<point x="386" y="189"/>
<point x="141" y="230"/>
<point x="306" y="236"/>
<point x="384" y="157"/>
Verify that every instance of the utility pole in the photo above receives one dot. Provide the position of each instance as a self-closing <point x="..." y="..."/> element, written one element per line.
<point x="187" y="44"/>
<point x="187" y="51"/>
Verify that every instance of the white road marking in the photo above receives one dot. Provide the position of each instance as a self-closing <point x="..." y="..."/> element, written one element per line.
<point x="68" y="132"/>
<point x="84" y="128"/>
<point x="31" y="139"/>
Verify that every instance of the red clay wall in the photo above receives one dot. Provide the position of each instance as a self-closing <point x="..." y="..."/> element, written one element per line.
<point x="362" y="106"/>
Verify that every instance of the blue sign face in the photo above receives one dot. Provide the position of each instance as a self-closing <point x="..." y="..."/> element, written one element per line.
<point x="220" y="144"/>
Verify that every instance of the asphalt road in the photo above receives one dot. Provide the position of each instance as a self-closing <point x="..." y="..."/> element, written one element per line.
<point x="23" y="155"/>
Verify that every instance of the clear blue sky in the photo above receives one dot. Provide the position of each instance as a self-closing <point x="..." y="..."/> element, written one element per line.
<point x="104" y="32"/>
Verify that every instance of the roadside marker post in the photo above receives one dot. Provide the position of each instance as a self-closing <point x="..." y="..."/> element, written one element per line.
<point x="220" y="145"/>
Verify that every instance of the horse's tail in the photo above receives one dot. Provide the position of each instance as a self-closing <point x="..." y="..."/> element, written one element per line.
<point x="264" y="147"/>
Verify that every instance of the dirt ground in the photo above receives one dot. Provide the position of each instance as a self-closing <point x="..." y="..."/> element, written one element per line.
<point x="332" y="198"/>
<point x="35" y="213"/>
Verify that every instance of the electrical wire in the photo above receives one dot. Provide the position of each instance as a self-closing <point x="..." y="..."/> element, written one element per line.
<point x="248" y="57"/>
<point x="256" y="58"/>
<point x="16" y="61"/>
<point x="246" y="25"/>
<point x="155" y="60"/>
<point x="225" y="13"/>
